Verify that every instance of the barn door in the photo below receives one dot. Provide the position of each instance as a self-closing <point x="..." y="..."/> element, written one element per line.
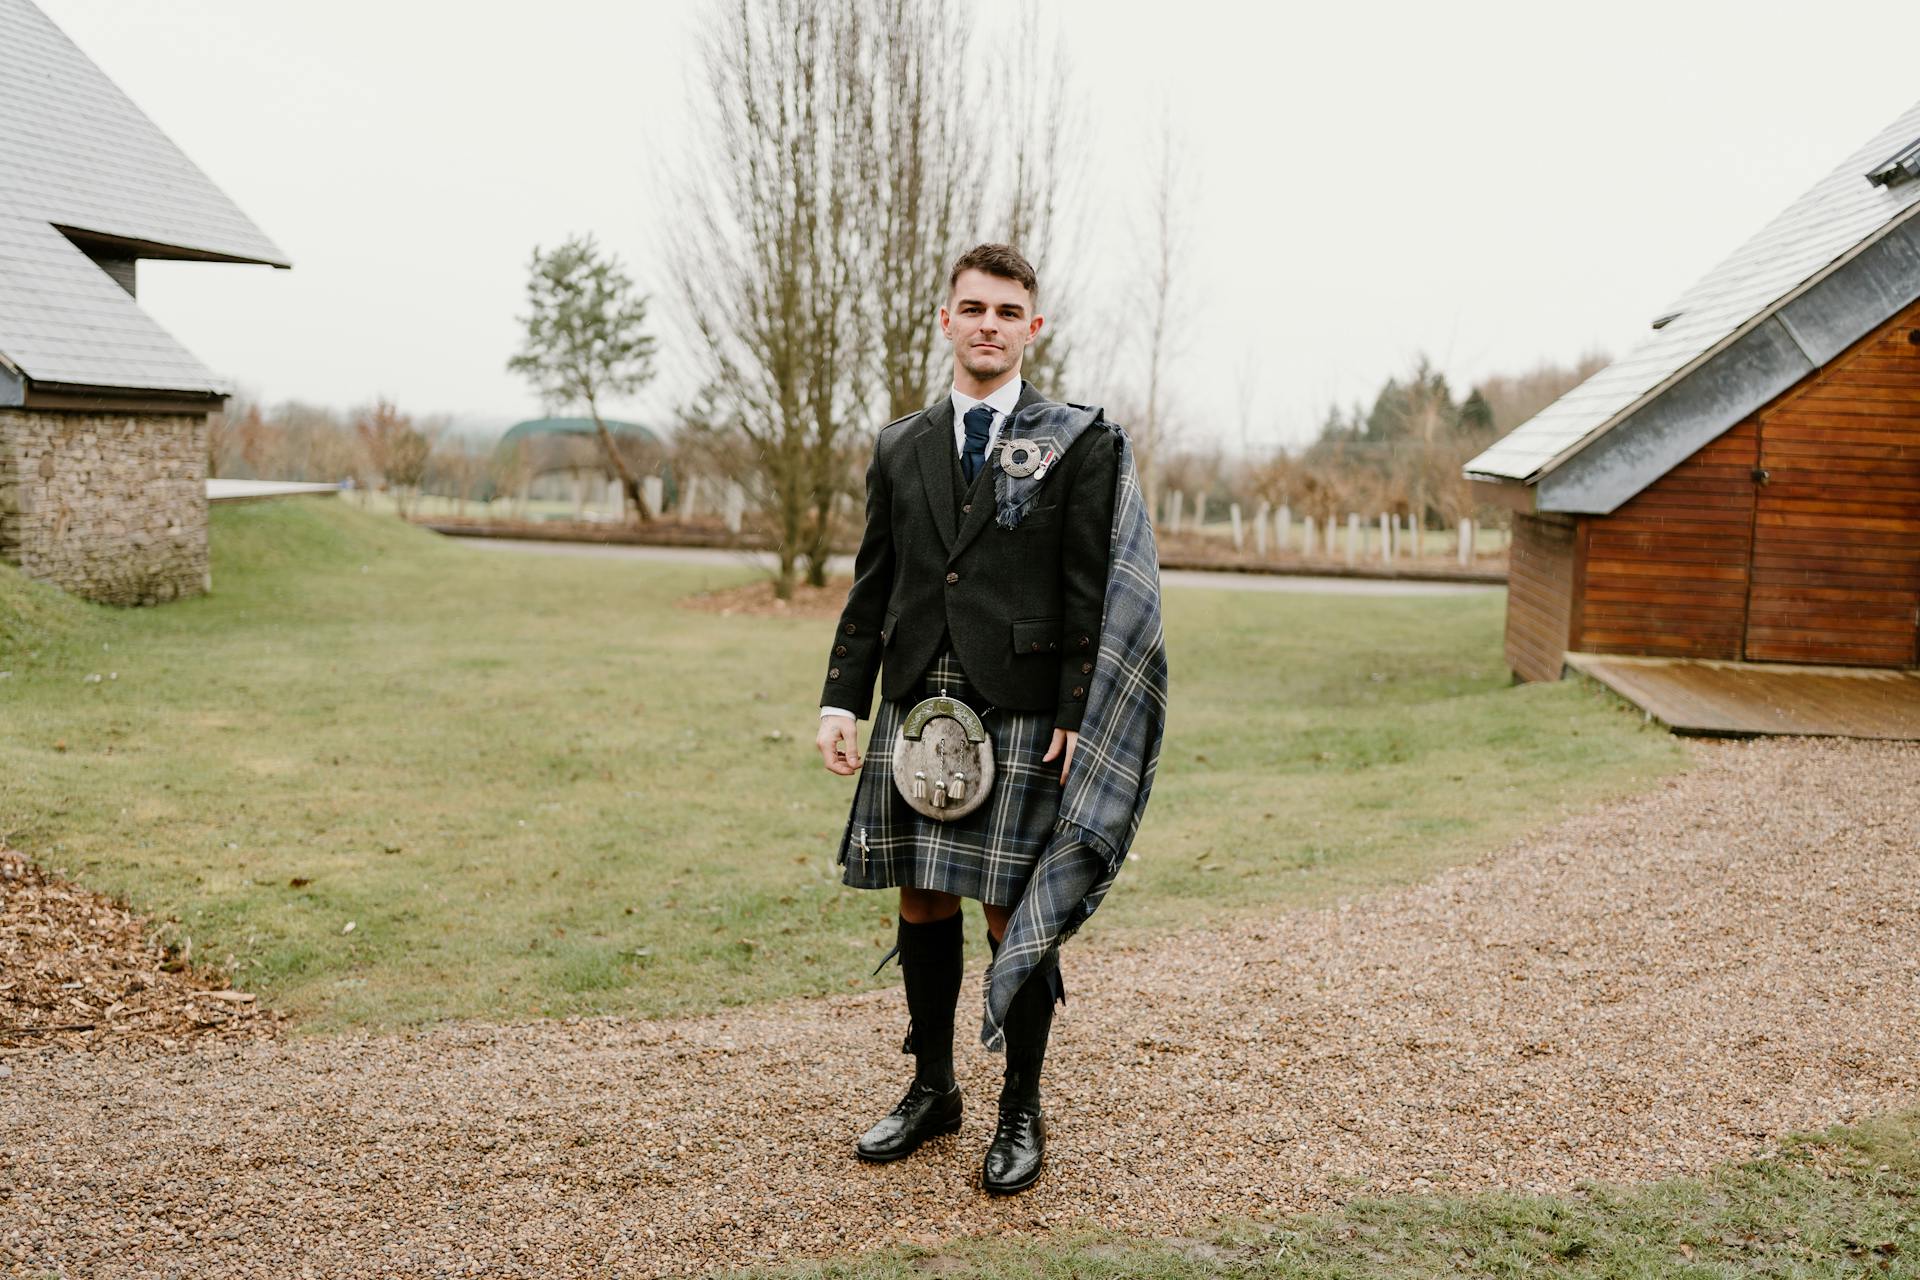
<point x="1836" y="523"/>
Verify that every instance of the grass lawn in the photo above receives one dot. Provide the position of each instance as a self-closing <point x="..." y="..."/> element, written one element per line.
<point x="1843" y="1203"/>
<point x="532" y="785"/>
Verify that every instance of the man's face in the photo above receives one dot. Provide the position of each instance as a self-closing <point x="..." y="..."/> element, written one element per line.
<point x="989" y="320"/>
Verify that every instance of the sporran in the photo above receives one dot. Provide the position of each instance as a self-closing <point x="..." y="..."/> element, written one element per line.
<point x="943" y="759"/>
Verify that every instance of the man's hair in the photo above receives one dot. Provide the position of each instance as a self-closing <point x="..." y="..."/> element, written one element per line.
<point x="1001" y="260"/>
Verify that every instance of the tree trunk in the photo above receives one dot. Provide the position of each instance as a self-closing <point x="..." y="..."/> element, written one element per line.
<point x="629" y="483"/>
<point x="789" y="550"/>
<point x="821" y="544"/>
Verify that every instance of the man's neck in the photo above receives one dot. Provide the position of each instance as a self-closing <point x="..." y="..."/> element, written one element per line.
<point x="968" y="385"/>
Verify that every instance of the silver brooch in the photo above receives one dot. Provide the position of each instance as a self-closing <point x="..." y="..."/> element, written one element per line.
<point x="1022" y="458"/>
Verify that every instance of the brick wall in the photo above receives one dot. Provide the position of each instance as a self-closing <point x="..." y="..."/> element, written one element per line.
<point x="109" y="506"/>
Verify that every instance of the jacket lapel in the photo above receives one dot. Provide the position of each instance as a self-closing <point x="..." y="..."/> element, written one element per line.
<point x="982" y="514"/>
<point x="935" y="450"/>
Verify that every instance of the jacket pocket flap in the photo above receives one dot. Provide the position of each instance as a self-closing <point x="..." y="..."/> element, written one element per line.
<point x="1036" y="635"/>
<point x="1039" y="517"/>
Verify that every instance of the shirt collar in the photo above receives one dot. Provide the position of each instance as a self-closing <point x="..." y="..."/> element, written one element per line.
<point x="1002" y="401"/>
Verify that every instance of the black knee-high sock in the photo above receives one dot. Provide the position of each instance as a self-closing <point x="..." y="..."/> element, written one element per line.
<point x="1029" y="1021"/>
<point x="932" y="959"/>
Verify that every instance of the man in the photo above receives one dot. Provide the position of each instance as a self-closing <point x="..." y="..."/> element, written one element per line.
<point x="948" y="600"/>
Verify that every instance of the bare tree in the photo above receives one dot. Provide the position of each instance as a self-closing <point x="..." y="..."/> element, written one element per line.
<point x="770" y="255"/>
<point x="374" y="428"/>
<point x="1432" y="423"/>
<point x="510" y="468"/>
<point x="1162" y="300"/>
<point x="838" y="168"/>
<point x="586" y="338"/>
<point x="925" y="171"/>
<point x="1246" y="391"/>
<point x="303" y="442"/>
<point x="221" y="434"/>
<point x="237" y="437"/>
<point x="407" y="460"/>
<point x="459" y="462"/>
<point x="395" y="449"/>
<point x="1044" y="213"/>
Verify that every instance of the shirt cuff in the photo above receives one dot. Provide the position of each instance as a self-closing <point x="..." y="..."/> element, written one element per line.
<point x="837" y="711"/>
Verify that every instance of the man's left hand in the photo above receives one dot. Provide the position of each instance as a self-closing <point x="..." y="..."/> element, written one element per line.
<point x="1064" y="740"/>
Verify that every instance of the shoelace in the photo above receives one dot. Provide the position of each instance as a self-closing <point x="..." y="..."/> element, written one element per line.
<point x="915" y="1092"/>
<point x="1012" y="1124"/>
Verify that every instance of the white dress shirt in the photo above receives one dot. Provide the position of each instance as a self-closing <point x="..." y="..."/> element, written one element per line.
<point x="1001" y="400"/>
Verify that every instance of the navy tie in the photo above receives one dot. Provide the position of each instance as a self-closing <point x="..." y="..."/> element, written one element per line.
<point x="978" y="420"/>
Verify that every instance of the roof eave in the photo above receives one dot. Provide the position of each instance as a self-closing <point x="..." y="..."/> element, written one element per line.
<point x="1801" y="332"/>
<point x="1503" y="491"/>
<point x="17" y="391"/>
<point x="135" y="247"/>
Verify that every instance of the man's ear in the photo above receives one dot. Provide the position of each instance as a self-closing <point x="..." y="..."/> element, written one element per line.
<point x="946" y="323"/>
<point x="1034" y="326"/>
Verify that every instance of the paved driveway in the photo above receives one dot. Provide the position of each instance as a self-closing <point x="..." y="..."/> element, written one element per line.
<point x="1178" y="578"/>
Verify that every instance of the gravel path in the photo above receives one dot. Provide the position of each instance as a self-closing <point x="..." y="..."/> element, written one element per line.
<point x="1638" y="992"/>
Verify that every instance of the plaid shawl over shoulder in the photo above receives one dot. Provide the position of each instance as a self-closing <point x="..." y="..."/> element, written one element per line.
<point x="1113" y="766"/>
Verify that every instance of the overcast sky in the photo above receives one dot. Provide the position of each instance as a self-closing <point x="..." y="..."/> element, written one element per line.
<point x="1494" y="184"/>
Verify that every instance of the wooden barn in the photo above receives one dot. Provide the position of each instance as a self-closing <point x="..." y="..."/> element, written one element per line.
<point x="1745" y="484"/>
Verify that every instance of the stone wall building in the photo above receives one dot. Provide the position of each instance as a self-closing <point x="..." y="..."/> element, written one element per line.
<point x="103" y="415"/>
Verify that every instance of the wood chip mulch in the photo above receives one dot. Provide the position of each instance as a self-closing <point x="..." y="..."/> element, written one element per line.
<point x="1633" y="992"/>
<point x="80" y="971"/>
<point x="756" y="599"/>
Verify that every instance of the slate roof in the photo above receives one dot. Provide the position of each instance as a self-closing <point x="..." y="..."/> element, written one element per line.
<point x="75" y="152"/>
<point x="64" y="320"/>
<point x="1811" y="238"/>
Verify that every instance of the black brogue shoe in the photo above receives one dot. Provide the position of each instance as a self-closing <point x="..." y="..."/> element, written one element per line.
<point x="1013" y="1157"/>
<point x="924" y="1113"/>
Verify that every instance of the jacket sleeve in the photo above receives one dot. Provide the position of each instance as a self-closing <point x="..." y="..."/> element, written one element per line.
<point x="1086" y="545"/>
<point x="854" y="663"/>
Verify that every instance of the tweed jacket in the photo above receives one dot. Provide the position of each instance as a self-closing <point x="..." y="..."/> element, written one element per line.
<point x="1021" y="607"/>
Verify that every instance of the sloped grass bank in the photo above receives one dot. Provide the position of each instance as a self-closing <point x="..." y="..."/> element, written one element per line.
<point x="391" y="778"/>
<point x="1841" y="1203"/>
<point x="32" y="617"/>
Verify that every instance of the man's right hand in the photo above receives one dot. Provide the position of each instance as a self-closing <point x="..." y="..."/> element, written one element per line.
<point x="839" y="743"/>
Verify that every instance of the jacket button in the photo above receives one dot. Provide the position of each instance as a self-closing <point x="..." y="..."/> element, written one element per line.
<point x="952" y="578"/>
<point x="1085" y="643"/>
<point x="1085" y="667"/>
<point x="839" y="651"/>
<point x="834" y="674"/>
<point x="966" y="509"/>
<point x="1079" y="691"/>
<point x="1053" y="644"/>
<point x="1036" y="646"/>
<point x="849" y="628"/>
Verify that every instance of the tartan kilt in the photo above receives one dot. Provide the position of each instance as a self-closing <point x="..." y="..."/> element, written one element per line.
<point x="987" y="855"/>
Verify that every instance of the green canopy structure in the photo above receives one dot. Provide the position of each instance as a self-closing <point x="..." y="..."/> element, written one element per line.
<point x="536" y="429"/>
<point x="572" y="446"/>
